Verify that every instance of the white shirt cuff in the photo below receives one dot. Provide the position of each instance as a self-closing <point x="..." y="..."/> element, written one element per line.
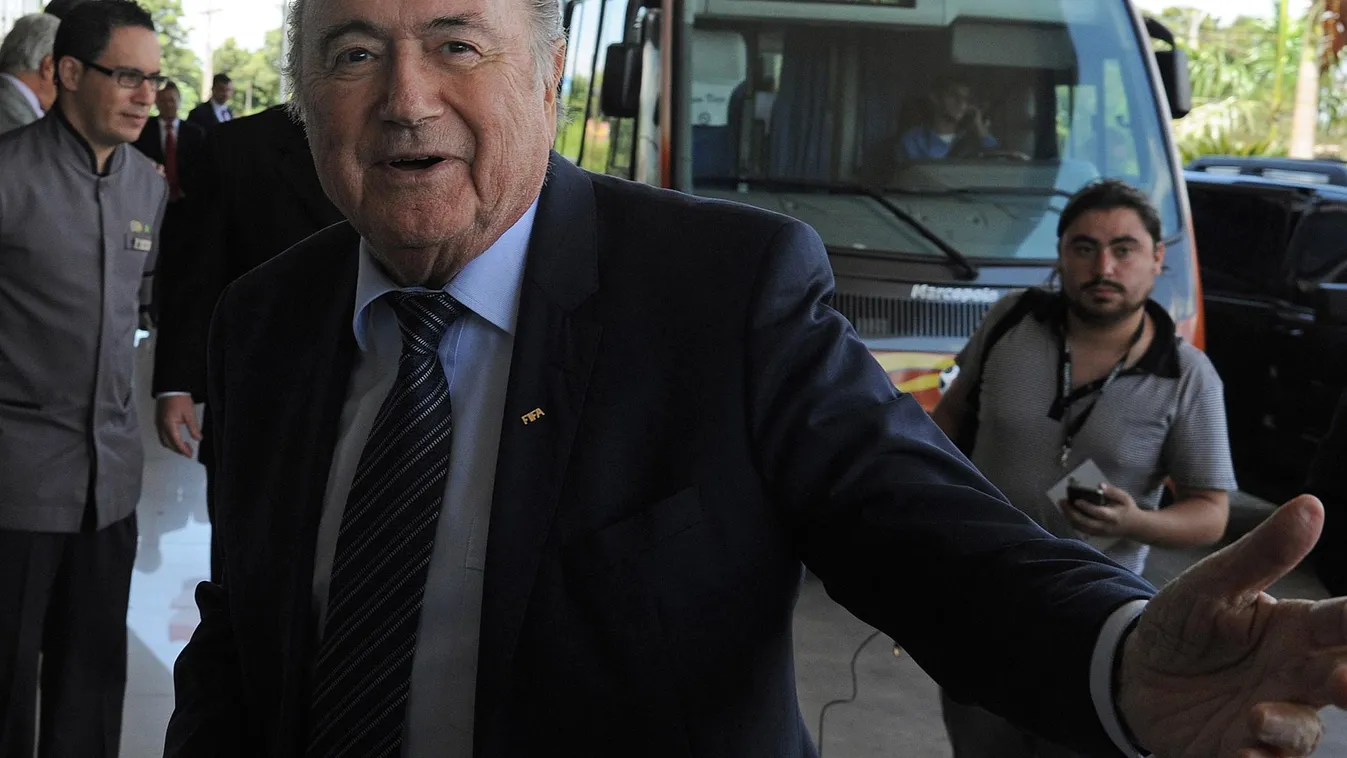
<point x="1106" y="651"/>
<point x="171" y="394"/>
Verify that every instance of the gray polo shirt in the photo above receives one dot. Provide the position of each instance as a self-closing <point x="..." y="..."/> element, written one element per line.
<point x="1163" y="418"/>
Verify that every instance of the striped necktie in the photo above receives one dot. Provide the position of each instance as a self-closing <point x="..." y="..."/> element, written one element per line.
<point x="363" y="671"/>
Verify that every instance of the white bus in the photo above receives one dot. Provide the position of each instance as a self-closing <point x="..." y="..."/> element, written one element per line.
<point x="825" y="110"/>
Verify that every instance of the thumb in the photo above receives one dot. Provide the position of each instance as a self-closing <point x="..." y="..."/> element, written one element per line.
<point x="1266" y="554"/>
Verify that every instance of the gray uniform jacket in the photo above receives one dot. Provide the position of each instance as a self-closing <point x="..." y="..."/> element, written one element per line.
<point x="75" y="248"/>
<point x="15" y="110"/>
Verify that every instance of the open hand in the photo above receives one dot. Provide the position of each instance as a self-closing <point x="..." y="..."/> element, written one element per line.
<point x="1217" y="668"/>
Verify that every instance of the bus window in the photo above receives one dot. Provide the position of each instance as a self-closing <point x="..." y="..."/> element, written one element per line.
<point x="588" y="138"/>
<point x="1062" y="90"/>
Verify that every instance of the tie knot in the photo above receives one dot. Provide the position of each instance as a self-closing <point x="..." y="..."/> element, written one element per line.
<point x="423" y="317"/>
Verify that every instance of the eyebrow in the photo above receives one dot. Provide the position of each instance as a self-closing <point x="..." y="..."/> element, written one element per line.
<point x="1127" y="238"/>
<point x="365" y="28"/>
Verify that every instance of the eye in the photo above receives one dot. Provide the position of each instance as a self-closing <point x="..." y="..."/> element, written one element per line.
<point x="457" y="48"/>
<point x="354" y="57"/>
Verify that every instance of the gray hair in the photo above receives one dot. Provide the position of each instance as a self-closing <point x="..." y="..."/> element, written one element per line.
<point x="31" y="40"/>
<point x="547" y="34"/>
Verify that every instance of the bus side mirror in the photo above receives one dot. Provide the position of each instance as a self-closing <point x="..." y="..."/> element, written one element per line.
<point x="1174" y="73"/>
<point x="621" y="93"/>
<point x="1178" y="82"/>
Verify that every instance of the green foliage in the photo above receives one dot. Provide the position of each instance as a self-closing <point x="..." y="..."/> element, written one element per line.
<point x="256" y="73"/>
<point x="179" y="62"/>
<point x="1244" y="76"/>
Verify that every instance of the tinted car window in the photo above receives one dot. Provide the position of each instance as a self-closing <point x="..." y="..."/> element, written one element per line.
<point x="1320" y="244"/>
<point x="1241" y="239"/>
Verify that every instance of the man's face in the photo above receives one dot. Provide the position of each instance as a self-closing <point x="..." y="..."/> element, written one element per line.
<point x="168" y="102"/>
<point x="954" y="102"/>
<point x="113" y="114"/>
<point x="1109" y="263"/>
<point x="222" y="91"/>
<point x="429" y="123"/>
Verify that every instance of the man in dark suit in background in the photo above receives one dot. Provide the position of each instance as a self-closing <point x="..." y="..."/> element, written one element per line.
<point x="215" y="111"/>
<point x="178" y="148"/>
<point x="524" y="461"/>
<point x="250" y="210"/>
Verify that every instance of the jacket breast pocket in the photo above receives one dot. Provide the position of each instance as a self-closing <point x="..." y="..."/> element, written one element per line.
<point x="633" y="538"/>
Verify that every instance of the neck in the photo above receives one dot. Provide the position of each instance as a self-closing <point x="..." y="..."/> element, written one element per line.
<point x="102" y="153"/>
<point x="30" y="79"/>
<point x="944" y="125"/>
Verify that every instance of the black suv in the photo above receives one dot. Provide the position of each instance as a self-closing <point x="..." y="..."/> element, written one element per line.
<point x="1273" y="258"/>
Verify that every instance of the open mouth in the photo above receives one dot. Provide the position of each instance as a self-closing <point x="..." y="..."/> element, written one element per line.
<point x="415" y="164"/>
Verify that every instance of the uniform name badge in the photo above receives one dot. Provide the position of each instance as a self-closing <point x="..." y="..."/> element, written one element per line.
<point x="141" y="243"/>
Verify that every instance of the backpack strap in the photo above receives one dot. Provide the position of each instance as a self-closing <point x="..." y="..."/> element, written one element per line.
<point x="1028" y="301"/>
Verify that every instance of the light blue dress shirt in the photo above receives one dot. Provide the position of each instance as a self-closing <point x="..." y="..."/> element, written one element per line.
<point x="475" y="353"/>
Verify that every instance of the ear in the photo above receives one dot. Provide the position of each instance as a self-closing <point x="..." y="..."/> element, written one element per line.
<point x="558" y="68"/>
<point x="1159" y="257"/>
<point x="47" y="69"/>
<point x="70" y="73"/>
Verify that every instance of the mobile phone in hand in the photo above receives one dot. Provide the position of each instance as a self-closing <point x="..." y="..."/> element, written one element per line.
<point x="1093" y="496"/>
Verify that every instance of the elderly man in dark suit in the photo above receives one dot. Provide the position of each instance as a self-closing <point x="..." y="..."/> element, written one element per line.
<point x="525" y="461"/>
<point x="250" y="211"/>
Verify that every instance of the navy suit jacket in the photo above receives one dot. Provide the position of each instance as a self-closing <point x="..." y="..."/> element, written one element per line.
<point x="711" y="426"/>
<point x="204" y="116"/>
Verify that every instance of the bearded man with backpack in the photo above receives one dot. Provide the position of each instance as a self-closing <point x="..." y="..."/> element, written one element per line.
<point x="1091" y="380"/>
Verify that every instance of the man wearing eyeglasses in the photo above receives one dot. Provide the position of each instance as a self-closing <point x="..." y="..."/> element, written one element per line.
<point x="80" y="213"/>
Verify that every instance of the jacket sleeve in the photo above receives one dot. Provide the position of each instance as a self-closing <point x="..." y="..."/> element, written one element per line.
<point x="903" y="530"/>
<point x="208" y="715"/>
<point x="191" y="282"/>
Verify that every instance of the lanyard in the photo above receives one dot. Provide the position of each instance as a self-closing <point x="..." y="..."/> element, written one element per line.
<point x="1067" y="398"/>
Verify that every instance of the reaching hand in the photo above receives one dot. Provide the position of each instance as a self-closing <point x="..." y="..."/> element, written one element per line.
<point x="1216" y="668"/>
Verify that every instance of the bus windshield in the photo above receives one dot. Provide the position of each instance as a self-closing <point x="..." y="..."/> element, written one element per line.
<point x="980" y="128"/>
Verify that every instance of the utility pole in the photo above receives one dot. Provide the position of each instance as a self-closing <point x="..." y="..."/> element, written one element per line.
<point x="208" y="65"/>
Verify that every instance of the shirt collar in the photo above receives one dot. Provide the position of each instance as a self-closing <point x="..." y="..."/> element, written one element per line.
<point x="27" y="92"/>
<point x="1160" y="359"/>
<point x="489" y="286"/>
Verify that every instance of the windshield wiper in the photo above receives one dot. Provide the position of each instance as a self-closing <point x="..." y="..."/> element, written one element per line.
<point x="1025" y="191"/>
<point x="966" y="267"/>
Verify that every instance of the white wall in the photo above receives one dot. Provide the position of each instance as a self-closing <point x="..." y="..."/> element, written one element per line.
<point x="10" y="10"/>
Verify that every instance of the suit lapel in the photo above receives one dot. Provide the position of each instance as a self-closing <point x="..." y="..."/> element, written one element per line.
<point x="317" y="360"/>
<point x="555" y="344"/>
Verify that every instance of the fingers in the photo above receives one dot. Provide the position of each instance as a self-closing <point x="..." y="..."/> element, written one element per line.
<point x="193" y="427"/>
<point x="1243" y="570"/>
<point x="1286" y="728"/>
<point x="170" y="435"/>
<point x="1328" y="622"/>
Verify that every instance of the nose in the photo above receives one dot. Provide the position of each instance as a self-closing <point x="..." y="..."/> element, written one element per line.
<point x="413" y="89"/>
<point x="145" y="94"/>
<point x="1106" y="265"/>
